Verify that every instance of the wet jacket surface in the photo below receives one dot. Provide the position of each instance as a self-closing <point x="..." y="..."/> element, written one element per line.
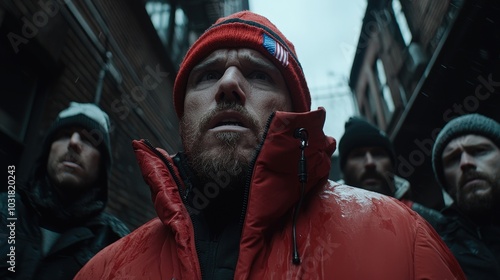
<point x="342" y="232"/>
<point x="477" y="248"/>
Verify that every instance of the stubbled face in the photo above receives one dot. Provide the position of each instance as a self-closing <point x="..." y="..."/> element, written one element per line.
<point x="229" y="98"/>
<point x="73" y="164"/>
<point x="370" y="168"/>
<point x="471" y="165"/>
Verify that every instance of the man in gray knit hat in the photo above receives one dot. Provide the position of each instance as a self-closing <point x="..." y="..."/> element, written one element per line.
<point x="59" y="216"/>
<point x="466" y="163"/>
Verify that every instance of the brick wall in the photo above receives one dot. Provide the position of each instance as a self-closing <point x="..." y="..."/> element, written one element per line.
<point x="68" y="53"/>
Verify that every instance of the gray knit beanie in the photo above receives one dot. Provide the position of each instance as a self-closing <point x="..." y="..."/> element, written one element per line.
<point x="92" y="118"/>
<point x="467" y="124"/>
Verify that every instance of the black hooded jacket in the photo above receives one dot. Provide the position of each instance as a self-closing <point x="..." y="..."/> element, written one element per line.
<point x="476" y="248"/>
<point x="82" y="227"/>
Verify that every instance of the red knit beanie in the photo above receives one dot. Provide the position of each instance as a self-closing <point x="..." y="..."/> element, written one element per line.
<point x="246" y="30"/>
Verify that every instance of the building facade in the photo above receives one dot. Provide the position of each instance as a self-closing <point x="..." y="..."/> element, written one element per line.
<point x="418" y="65"/>
<point x="120" y="55"/>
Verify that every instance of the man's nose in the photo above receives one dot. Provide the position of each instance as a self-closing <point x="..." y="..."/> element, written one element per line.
<point x="75" y="142"/>
<point x="467" y="161"/>
<point x="369" y="162"/>
<point x="231" y="87"/>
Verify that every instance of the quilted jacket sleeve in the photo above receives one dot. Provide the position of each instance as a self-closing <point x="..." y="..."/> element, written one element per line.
<point x="432" y="255"/>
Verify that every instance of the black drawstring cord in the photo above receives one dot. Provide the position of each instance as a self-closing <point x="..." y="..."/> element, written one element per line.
<point x="300" y="133"/>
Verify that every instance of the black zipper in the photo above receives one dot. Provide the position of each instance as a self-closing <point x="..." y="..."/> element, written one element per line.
<point x="185" y="193"/>
<point x="249" y="176"/>
<point x="165" y="161"/>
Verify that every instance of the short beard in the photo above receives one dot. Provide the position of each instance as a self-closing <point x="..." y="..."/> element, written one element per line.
<point x="228" y="169"/>
<point x="481" y="208"/>
<point x="230" y="165"/>
<point x="387" y="182"/>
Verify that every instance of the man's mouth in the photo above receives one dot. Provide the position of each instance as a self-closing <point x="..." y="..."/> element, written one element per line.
<point x="372" y="176"/>
<point x="228" y="120"/>
<point x="71" y="164"/>
<point x="472" y="182"/>
<point x="70" y="161"/>
<point x="476" y="187"/>
<point x="371" y="181"/>
<point x="229" y="123"/>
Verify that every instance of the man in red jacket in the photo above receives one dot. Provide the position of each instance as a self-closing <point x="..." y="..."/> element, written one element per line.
<point x="249" y="198"/>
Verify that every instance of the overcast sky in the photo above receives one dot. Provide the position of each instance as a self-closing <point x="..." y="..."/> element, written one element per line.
<point x="325" y="34"/>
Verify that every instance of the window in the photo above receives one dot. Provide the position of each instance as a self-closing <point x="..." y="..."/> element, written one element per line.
<point x="181" y="37"/>
<point x="159" y="12"/>
<point x="387" y="100"/>
<point x="171" y="24"/>
<point x="402" y="23"/>
<point x="371" y="105"/>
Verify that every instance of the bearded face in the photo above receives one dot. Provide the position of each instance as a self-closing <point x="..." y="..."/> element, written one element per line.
<point x="229" y="98"/>
<point x="370" y="168"/>
<point x="471" y="166"/>
<point x="74" y="163"/>
<point x="478" y="194"/>
<point x="225" y="156"/>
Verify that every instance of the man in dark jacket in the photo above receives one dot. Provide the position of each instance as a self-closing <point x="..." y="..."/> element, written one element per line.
<point x="55" y="223"/>
<point x="466" y="162"/>
<point x="368" y="160"/>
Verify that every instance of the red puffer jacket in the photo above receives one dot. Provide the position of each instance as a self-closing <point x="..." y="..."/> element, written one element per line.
<point x="342" y="232"/>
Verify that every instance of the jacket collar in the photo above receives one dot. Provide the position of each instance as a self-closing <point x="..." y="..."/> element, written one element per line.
<point x="55" y="212"/>
<point x="274" y="186"/>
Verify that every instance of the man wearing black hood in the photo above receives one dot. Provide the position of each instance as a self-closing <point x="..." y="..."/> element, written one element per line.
<point x="368" y="160"/>
<point x="60" y="221"/>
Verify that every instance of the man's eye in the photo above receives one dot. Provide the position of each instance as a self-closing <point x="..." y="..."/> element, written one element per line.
<point x="260" y="76"/>
<point x="356" y="154"/>
<point x="211" y="75"/>
<point x="63" y="134"/>
<point x="86" y="139"/>
<point x="452" y="160"/>
<point x="379" y="153"/>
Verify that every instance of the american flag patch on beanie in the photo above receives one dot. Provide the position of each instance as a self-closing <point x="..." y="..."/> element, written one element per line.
<point x="275" y="49"/>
